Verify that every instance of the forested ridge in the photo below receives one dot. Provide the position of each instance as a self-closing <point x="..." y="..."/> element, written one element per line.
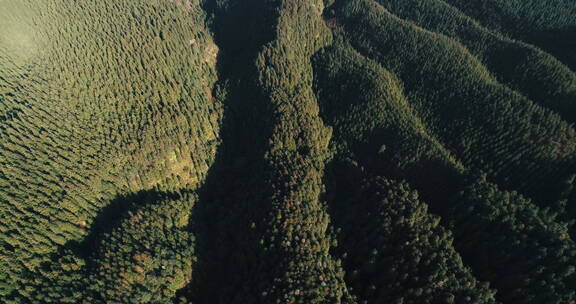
<point x="287" y="151"/>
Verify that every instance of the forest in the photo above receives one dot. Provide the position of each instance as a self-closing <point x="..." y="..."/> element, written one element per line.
<point x="288" y="151"/>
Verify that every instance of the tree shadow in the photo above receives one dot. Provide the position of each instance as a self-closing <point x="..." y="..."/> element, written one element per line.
<point x="68" y="269"/>
<point x="230" y="197"/>
<point x="108" y="219"/>
<point x="560" y="43"/>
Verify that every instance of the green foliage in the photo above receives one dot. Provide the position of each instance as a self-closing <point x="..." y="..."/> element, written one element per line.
<point x="548" y="24"/>
<point x="300" y="268"/>
<point x="521" y="249"/>
<point x="114" y="101"/>
<point x="249" y="151"/>
<point x="146" y="257"/>
<point x="375" y="124"/>
<point x="484" y="123"/>
<point x="521" y="66"/>
<point x="403" y="254"/>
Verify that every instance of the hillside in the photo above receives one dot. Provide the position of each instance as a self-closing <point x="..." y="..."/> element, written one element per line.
<point x="287" y="151"/>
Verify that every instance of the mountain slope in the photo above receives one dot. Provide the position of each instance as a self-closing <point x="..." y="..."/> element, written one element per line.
<point x="287" y="151"/>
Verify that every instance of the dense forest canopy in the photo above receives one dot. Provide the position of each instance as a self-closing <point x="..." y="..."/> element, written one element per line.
<point x="287" y="151"/>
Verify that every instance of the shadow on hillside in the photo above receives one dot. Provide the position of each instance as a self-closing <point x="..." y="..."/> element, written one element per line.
<point x="110" y="216"/>
<point x="230" y="197"/>
<point x="560" y="43"/>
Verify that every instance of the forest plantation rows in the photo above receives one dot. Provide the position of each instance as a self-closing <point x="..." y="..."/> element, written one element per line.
<point x="288" y="151"/>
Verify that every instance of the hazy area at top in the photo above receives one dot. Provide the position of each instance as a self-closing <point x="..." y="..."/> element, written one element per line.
<point x="19" y="40"/>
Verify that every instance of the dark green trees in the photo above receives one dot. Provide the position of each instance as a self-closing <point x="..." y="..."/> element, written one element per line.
<point x="145" y="256"/>
<point x="521" y="66"/>
<point x="148" y="257"/>
<point x="549" y="25"/>
<point x="395" y="251"/>
<point x="521" y="249"/>
<point x="287" y="151"/>
<point x="296" y="237"/>
<point x="487" y="125"/>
